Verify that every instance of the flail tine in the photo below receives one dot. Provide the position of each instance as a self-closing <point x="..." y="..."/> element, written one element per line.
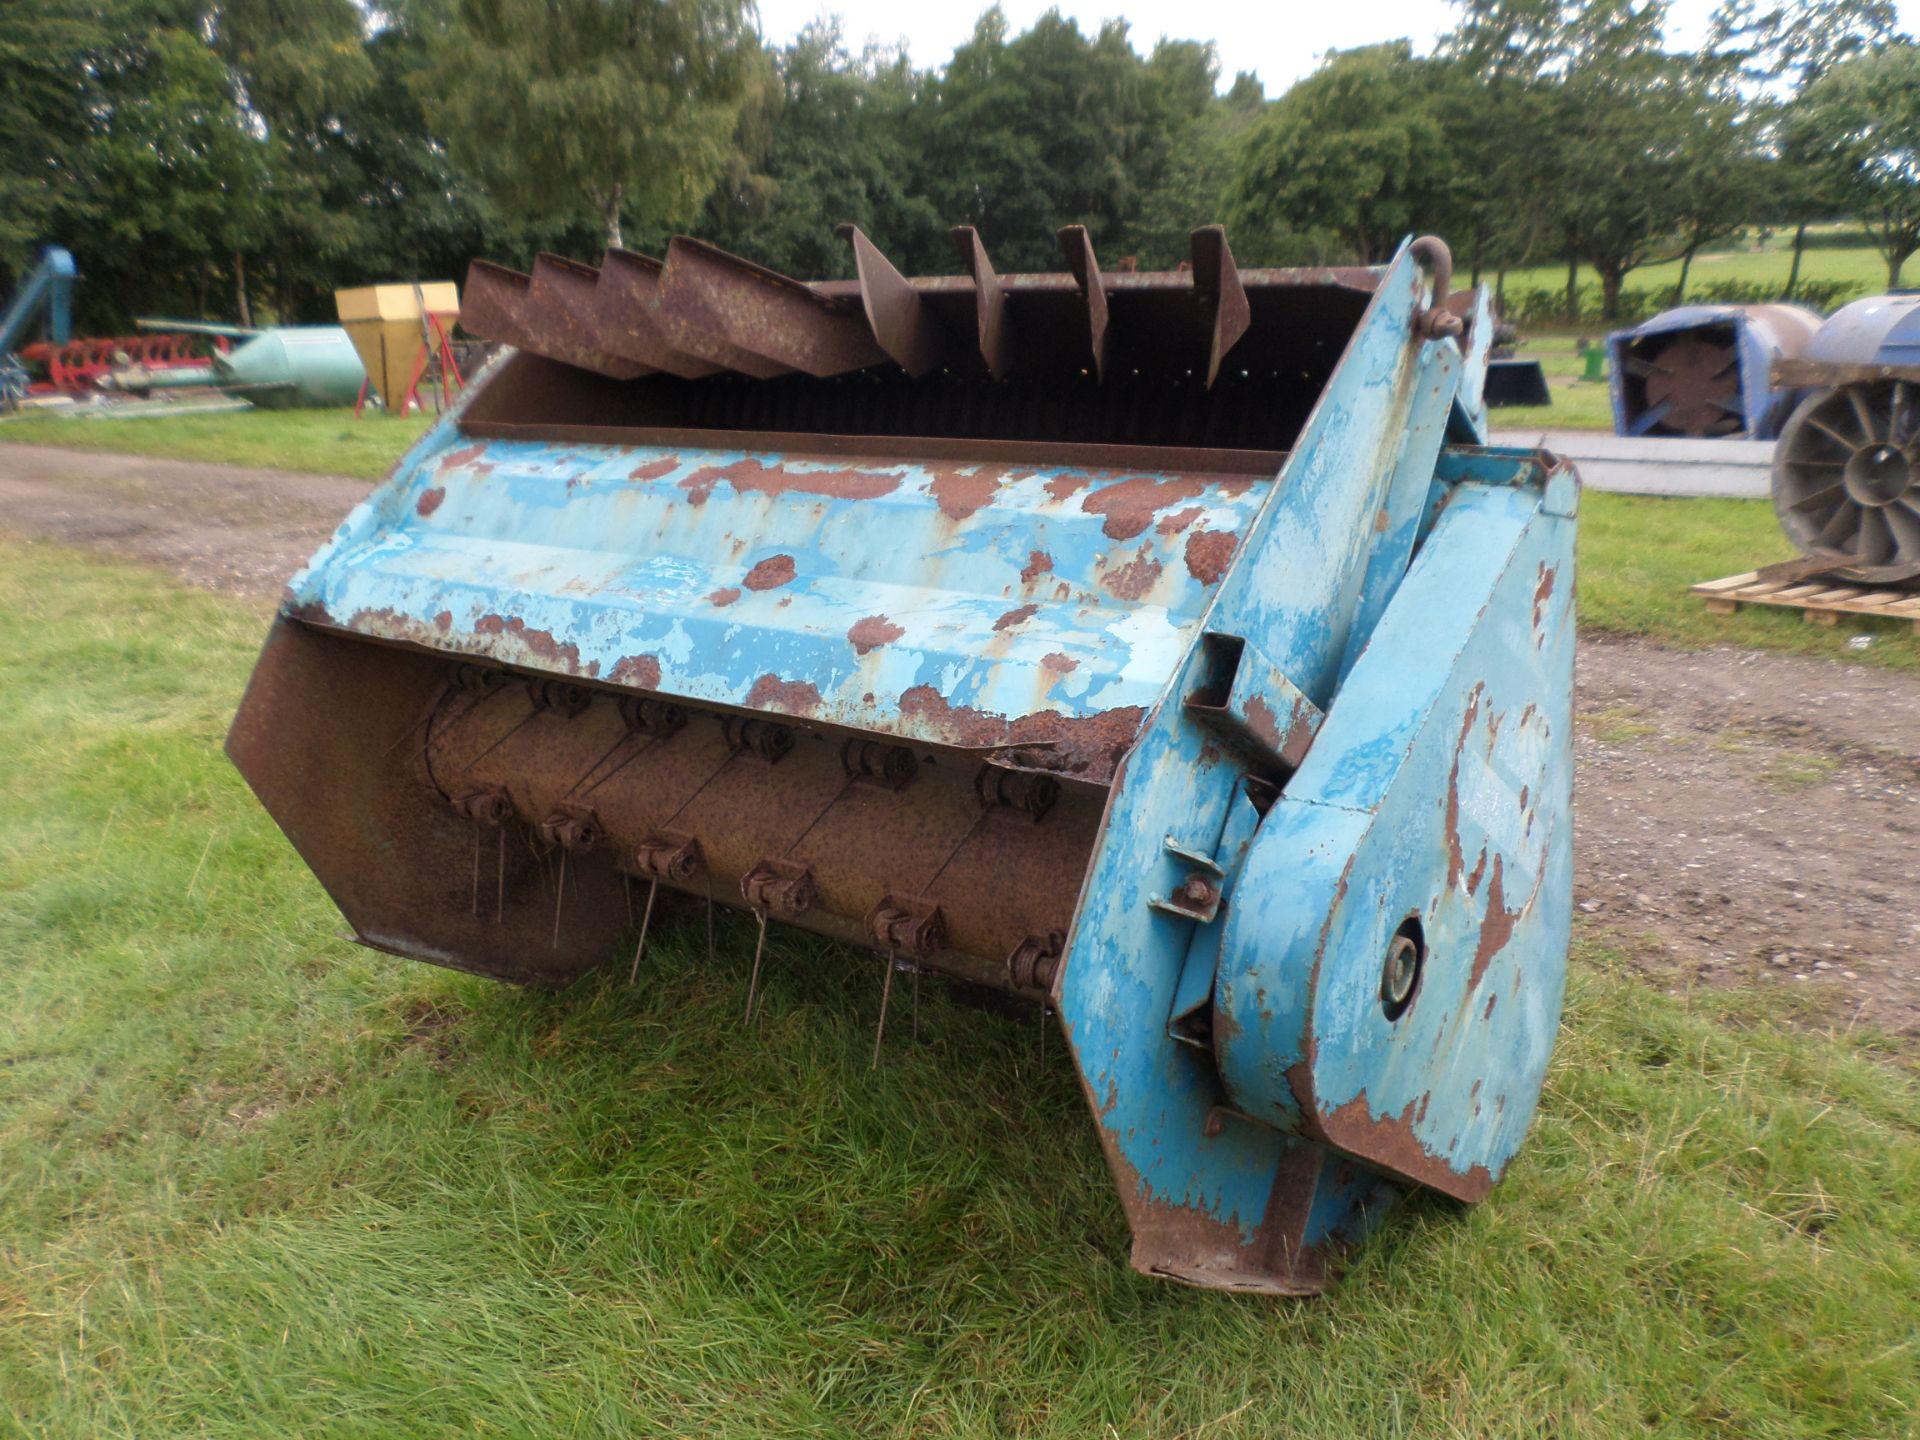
<point x="886" y="994"/>
<point x="500" y="881"/>
<point x="559" y="898"/>
<point x="653" y="889"/>
<point x="753" y="980"/>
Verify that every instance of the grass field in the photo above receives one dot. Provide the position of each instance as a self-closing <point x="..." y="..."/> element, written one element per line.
<point x="254" y="1181"/>
<point x="329" y="442"/>
<point x="1749" y="262"/>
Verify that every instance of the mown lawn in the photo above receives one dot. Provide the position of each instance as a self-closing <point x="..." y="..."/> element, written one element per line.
<point x="326" y="442"/>
<point x="255" y="1181"/>
<point x="1751" y="261"/>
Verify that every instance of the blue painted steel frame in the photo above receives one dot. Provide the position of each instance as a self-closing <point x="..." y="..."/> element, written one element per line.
<point x="1239" y="1169"/>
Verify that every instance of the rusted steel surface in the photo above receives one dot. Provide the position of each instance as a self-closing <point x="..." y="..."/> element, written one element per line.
<point x="1134" y="644"/>
<point x="902" y="321"/>
<point x="720" y="312"/>
<point x="1216" y="282"/>
<point x="717" y="306"/>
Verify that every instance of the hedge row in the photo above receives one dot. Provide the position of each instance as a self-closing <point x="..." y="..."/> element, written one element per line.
<point x="1533" y="306"/>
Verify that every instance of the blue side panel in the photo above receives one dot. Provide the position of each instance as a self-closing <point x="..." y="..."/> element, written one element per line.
<point x="1205" y="1192"/>
<point x="943" y="602"/>
<point x="1438" y="792"/>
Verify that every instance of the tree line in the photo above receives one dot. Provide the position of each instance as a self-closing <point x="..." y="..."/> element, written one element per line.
<point x="242" y="158"/>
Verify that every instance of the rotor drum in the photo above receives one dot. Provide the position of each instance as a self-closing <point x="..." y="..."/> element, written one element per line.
<point x="1846" y="472"/>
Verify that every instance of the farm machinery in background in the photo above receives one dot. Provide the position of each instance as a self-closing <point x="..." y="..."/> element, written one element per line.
<point x="395" y="340"/>
<point x="1166" y="652"/>
<point x="1705" y="371"/>
<point x="44" y="300"/>
<point x="1846" y="472"/>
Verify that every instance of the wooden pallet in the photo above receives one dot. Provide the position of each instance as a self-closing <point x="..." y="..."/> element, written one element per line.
<point x="1820" y="602"/>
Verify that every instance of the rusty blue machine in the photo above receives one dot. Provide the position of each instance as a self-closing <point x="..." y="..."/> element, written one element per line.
<point x="1166" y="650"/>
<point x="1705" y="371"/>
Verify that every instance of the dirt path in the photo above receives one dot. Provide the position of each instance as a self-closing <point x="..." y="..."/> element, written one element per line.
<point x="218" y="526"/>
<point x="1741" y="815"/>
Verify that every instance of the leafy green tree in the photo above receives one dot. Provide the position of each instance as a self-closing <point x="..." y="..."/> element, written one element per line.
<point x="1355" y="152"/>
<point x="1021" y="135"/>
<point x="1862" y="123"/>
<point x="1792" y="46"/>
<point x="1204" y="137"/>
<point x="822" y="144"/>
<point x="623" y="107"/>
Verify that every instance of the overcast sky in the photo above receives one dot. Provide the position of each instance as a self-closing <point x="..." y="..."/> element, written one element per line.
<point x="1280" y="39"/>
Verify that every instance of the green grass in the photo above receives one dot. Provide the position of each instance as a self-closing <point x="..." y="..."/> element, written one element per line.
<point x="254" y="1181"/>
<point x="1578" y="403"/>
<point x="328" y="442"/>
<point x="1638" y="554"/>
<point x="1749" y="262"/>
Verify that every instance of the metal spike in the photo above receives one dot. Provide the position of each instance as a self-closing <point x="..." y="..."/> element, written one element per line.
<point x="633" y="974"/>
<point x="564" y="319"/>
<point x="880" y="1032"/>
<point x="627" y="328"/>
<point x="902" y="322"/>
<point x="753" y="980"/>
<point x="989" y="302"/>
<point x="733" y="312"/>
<point x="494" y="303"/>
<point x="1078" y="246"/>
<point x="559" y="899"/>
<point x="1216" y="280"/>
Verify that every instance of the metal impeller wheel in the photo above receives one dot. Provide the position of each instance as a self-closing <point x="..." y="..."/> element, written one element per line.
<point x="1846" y="472"/>
<point x="1692" y="388"/>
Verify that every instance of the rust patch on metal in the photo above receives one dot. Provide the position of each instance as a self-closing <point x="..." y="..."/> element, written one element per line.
<point x="795" y="697"/>
<point x="1019" y="615"/>
<point x="1038" y="563"/>
<point x="1209" y="553"/>
<point x="961" y="492"/>
<point x="1130" y="505"/>
<point x="724" y="596"/>
<point x="1179" y="520"/>
<point x="1059" y="664"/>
<point x="1479" y="871"/>
<point x="654" y="469"/>
<point x="1091" y="746"/>
<point x="430" y="501"/>
<point x="873" y="631"/>
<point x="770" y="574"/>
<point x="1262" y="721"/>
<point x="1496" y="928"/>
<point x="1133" y="579"/>
<point x="1456" y="861"/>
<point x="640" y="671"/>
<point x="462" y="456"/>
<point x="753" y="475"/>
<point x="1389" y="1142"/>
<point x="540" y="642"/>
<point x="1064" y="486"/>
<point x="1542" y="593"/>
